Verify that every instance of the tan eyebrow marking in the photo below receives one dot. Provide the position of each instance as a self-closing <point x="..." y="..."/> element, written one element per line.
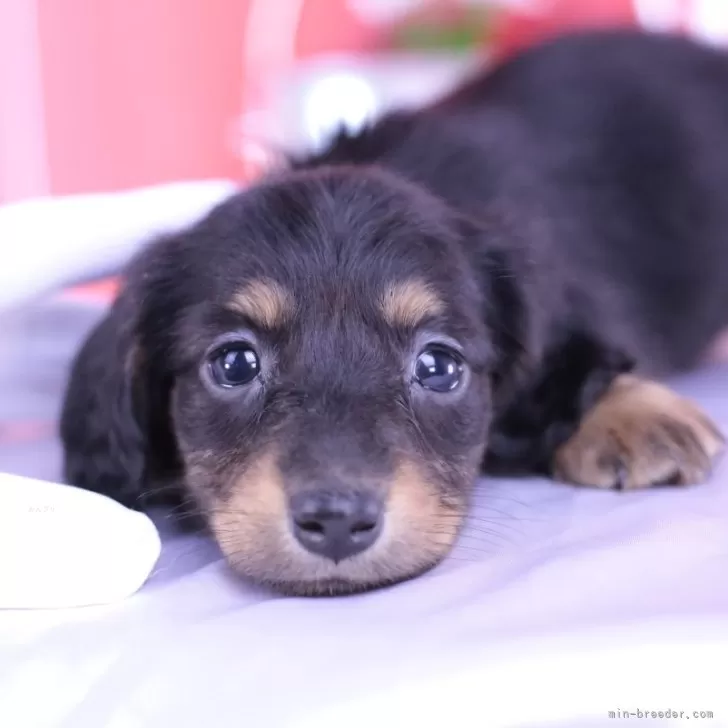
<point x="409" y="302"/>
<point x="265" y="302"/>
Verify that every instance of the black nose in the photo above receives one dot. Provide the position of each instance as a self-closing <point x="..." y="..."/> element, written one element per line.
<point x="336" y="525"/>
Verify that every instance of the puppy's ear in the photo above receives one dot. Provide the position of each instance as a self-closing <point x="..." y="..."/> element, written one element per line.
<point x="544" y="376"/>
<point x="512" y="320"/>
<point x="510" y="302"/>
<point x="104" y="422"/>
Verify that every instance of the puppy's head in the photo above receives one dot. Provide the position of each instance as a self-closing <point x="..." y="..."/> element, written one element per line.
<point x="322" y="350"/>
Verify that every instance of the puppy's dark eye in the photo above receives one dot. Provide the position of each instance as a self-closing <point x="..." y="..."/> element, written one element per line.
<point x="438" y="369"/>
<point x="233" y="366"/>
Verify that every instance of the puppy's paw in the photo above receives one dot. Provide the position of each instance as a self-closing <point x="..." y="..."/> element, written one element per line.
<point x="638" y="435"/>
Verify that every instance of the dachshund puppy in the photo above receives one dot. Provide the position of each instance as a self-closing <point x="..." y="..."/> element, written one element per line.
<point x="325" y="364"/>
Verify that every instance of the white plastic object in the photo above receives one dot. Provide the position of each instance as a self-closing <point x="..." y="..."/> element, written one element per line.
<point x="62" y="546"/>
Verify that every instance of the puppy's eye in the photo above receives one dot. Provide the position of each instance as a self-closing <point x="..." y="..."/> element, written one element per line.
<point x="438" y="369"/>
<point x="234" y="366"/>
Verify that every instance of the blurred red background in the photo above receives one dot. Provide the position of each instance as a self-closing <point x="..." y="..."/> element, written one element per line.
<point x="101" y="95"/>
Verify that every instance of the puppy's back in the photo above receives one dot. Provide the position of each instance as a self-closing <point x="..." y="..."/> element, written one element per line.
<point x="632" y="130"/>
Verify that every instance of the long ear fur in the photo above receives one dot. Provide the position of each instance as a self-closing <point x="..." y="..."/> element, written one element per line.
<point x="511" y="312"/>
<point x="104" y="420"/>
<point x="550" y="368"/>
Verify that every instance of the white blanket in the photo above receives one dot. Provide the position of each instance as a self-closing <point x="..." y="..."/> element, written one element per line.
<point x="50" y="242"/>
<point x="558" y="605"/>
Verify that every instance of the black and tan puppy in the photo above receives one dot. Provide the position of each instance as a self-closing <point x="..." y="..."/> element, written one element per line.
<point x="327" y="361"/>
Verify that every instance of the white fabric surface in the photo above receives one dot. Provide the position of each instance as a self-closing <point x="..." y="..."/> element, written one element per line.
<point x="557" y="606"/>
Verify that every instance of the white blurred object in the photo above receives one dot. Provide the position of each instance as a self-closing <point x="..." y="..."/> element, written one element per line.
<point x="47" y="243"/>
<point x="334" y="90"/>
<point x="707" y="20"/>
<point x="62" y="546"/>
<point x="339" y="99"/>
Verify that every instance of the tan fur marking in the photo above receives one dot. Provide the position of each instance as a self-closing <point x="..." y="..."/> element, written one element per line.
<point x="257" y="501"/>
<point x="266" y="302"/>
<point x="408" y="303"/>
<point x="421" y="522"/>
<point x="640" y="434"/>
<point x="251" y="527"/>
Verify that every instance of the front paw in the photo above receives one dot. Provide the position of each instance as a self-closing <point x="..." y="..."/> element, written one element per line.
<point x="638" y="435"/>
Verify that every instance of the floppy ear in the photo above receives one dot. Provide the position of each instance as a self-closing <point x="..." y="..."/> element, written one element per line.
<point x="511" y="312"/>
<point x="104" y="423"/>
<point x="513" y="320"/>
<point x="550" y="368"/>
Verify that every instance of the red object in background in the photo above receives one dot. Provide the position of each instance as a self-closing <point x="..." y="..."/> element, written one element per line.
<point x="139" y="92"/>
<point x="101" y="291"/>
<point x="101" y="95"/>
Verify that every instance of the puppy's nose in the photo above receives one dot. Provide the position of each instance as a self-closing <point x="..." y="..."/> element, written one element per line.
<point x="336" y="525"/>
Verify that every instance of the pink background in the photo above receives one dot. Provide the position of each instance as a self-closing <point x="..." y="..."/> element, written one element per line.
<point x="100" y="95"/>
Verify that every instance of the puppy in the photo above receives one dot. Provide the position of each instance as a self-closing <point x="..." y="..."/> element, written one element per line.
<point x="325" y="364"/>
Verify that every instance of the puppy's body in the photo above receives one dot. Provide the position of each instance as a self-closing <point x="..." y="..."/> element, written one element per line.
<point x="609" y="155"/>
<point x="464" y="283"/>
<point x="606" y="155"/>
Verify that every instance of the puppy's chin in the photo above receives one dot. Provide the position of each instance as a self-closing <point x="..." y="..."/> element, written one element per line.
<point x="341" y="587"/>
<point x="312" y="577"/>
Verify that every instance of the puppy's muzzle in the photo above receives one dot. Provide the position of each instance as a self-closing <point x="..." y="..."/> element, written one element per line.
<point x="336" y="524"/>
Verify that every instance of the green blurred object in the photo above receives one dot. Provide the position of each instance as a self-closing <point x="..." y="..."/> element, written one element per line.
<point x="464" y="33"/>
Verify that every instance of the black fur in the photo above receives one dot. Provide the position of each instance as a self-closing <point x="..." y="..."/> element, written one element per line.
<point x="571" y="207"/>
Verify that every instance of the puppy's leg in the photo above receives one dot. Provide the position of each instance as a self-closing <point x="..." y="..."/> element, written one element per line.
<point x="639" y="434"/>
